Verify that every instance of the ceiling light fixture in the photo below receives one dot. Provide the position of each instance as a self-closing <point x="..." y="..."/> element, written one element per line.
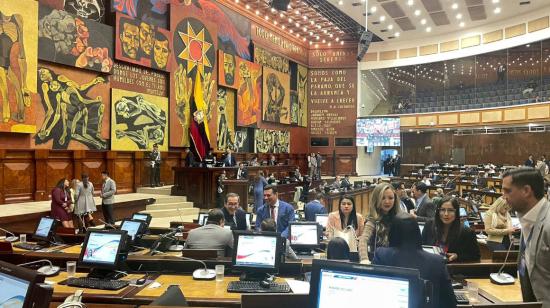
<point x="390" y="27"/>
<point x="462" y="24"/>
<point x="396" y="34"/>
<point x="423" y="21"/>
<point x="454" y="6"/>
<point x="247" y="7"/>
<point x="342" y="43"/>
<point x="458" y="16"/>
<point x="373" y="9"/>
<point x="410" y="3"/>
<point x="341" y="2"/>
<point x="417" y="12"/>
<point x="382" y="18"/>
<point x="497" y="10"/>
<point x="496" y="1"/>
<point x="429" y="29"/>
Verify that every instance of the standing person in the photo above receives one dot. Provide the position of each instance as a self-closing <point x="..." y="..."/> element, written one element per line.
<point x="189" y="158"/>
<point x="154" y="156"/>
<point x="280" y="211"/>
<point x="220" y="188"/>
<point x="319" y="162"/>
<point x="61" y="203"/>
<point x="85" y="204"/>
<point x="242" y="172"/>
<point x="397" y="165"/>
<point x="312" y="166"/>
<point x="383" y="206"/>
<point x="541" y="166"/>
<point x="259" y="183"/>
<point x="229" y="160"/>
<point x="108" y="191"/>
<point x="523" y="189"/>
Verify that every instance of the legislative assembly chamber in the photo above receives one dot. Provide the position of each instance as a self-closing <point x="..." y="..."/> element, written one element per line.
<point x="274" y="153"/>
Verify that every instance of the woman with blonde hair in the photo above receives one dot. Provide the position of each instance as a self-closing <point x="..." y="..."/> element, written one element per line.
<point x="498" y="225"/>
<point x="383" y="206"/>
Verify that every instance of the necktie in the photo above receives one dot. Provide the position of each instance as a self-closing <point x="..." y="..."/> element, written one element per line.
<point x="273" y="213"/>
<point x="235" y="220"/>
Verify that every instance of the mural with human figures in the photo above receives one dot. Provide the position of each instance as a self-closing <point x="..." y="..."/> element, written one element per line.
<point x="89" y="9"/>
<point x="18" y="59"/>
<point x="276" y="96"/>
<point x="271" y="141"/>
<point x="75" y="109"/>
<point x="226" y="119"/>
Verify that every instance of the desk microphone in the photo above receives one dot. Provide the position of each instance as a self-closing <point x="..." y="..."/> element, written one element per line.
<point x="12" y="237"/>
<point x="177" y="246"/>
<point x="501" y="278"/>
<point x="108" y="224"/>
<point x="47" y="270"/>
<point x="201" y="274"/>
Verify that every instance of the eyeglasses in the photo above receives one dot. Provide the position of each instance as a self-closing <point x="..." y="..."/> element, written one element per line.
<point x="447" y="211"/>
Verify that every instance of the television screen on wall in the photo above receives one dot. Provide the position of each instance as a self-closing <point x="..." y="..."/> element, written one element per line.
<point x="379" y="131"/>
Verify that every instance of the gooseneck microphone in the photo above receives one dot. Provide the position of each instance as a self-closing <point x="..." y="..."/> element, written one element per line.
<point x="501" y="278"/>
<point x="12" y="237"/>
<point x="47" y="270"/>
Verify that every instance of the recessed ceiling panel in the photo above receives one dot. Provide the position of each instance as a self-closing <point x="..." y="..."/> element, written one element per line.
<point x="440" y="18"/>
<point x="477" y="12"/>
<point x="432" y="5"/>
<point x="393" y="9"/>
<point x="405" y="24"/>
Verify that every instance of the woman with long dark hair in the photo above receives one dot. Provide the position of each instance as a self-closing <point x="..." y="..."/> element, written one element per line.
<point x="345" y="218"/>
<point x="383" y="206"/>
<point x="61" y="203"/>
<point x="447" y="232"/>
<point x="85" y="204"/>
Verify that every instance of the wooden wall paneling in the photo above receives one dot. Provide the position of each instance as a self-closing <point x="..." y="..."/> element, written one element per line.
<point x="58" y="165"/>
<point x="429" y="49"/>
<point x="2" y="157"/>
<point x="538" y="24"/>
<point x="138" y="169"/>
<point x="492" y="36"/>
<point x="78" y="158"/>
<point x="20" y="177"/>
<point x="166" y="173"/>
<point x="124" y="172"/>
<point x="40" y="176"/>
<point x="92" y="165"/>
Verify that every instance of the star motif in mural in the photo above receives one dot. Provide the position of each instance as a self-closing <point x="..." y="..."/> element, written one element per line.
<point x="195" y="49"/>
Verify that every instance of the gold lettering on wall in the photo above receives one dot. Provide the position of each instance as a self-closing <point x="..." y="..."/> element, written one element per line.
<point x="278" y="40"/>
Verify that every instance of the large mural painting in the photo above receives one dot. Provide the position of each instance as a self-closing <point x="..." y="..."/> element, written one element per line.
<point x="18" y="60"/>
<point x="142" y="43"/>
<point x="276" y="97"/>
<point x="74" y="113"/>
<point x="226" y="119"/>
<point x="271" y="141"/>
<point x="194" y="55"/>
<point x="138" y="121"/>
<point x="75" y="41"/>
<point x="249" y="92"/>
<point x="154" y="12"/>
<point x="89" y="9"/>
<point x="302" y="95"/>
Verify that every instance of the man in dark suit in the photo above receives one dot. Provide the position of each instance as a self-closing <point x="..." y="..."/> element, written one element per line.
<point x="273" y="207"/>
<point x="530" y="162"/>
<point x="315" y="207"/>
<point x="272" y="161"/>
<point x="405" y="202"/>
<point x="234" y="215"/>
<point x="155" y="159"/>
<point x="405" y="250"/>
<point x="242" y="172"/>
<point x="523" y="189"/>
<point x="346" y="183"/>
<point x="425" y="209"/>
<point x="229" y="159"/>
<point x="397" y="165"/>
<point x="189" y="158"/>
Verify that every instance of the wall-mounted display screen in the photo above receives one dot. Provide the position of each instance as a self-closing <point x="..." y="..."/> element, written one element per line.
<point x="378" y="132"/>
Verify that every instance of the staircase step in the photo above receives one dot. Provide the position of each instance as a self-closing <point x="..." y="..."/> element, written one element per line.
<point x="172" y="212"/>
<point x="164" y="222"/>
<point x="164" y="190"/>
<point x="169" y="199"/>
<point x="169" y="205"/>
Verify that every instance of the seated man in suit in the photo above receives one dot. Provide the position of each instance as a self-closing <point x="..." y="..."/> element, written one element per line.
<point x="272" y="161"/>
<point x="212" y="235"/>
<point x="425" y="209"/>
<point x="336" y="183"/>
<point x="242" y="172"/>
<point x="234" y="216"/>
<point x="316" y="206"/>
<point x="296" y="175"/>
<point x="405" y="202"/>
<point x="229" y="159"/>
<point x="189" y="158"/>
<point x="273" y="207"/>
<point x="346" y="183"/>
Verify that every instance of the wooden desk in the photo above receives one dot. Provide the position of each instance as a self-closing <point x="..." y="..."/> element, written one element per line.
<point x="200" y="184"/>
<point x="196" y="292"/>
<point x="499" y="294"/>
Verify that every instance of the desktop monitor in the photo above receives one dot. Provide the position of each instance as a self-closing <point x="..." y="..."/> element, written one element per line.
<point x="203" y="218"/>
<point x="44" y="229"/>
<point x="463" y="212"/>
<point x="321" y="219"/>
<point x="388" y="287"/>
<point x="101" y="249"/>
<point x="304" y="235"/>
<point x="143" y="217"/>
<point x="17" y="285"/>
<point x="134" y="228"/>
<point x="257" y="252"/>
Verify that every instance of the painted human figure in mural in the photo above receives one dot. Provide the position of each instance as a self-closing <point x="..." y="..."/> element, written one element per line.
<point x="145" y="122"/>
<point x="146" y="32"/>
<point x="183" y="88"/>
<point x="275" y="95"/>
<point x="13" y="68"/>
<point x="302" y="97"/>
<point x="90" y="9"/>
<point x="130" y="38"/>
<point x="161" y="51"/>
<point x="224" y="131"/>
<point x="247" y="96"/>
<point x="229" y="69"/>
<point x="65" y="100"/>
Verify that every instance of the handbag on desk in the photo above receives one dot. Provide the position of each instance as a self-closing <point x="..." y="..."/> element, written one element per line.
<point x="348" y="234"/>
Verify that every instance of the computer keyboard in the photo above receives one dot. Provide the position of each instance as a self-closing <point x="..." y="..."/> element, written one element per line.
<point x="254" y="287"/>
<point x="461" y="299"/>
<point x="28" y="246"/>
<point x="94" y="283"/>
